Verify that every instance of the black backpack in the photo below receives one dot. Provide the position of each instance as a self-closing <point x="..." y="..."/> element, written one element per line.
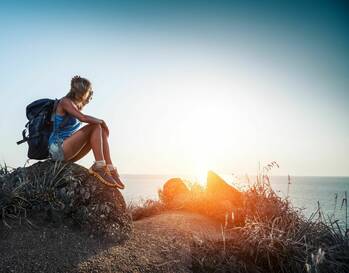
<point x="39" y="127"/>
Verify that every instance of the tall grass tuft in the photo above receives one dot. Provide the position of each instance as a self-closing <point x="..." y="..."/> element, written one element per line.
<point x="275" y="238"/>
<point x="145" y="208"/>
<point x="25" y="192"/>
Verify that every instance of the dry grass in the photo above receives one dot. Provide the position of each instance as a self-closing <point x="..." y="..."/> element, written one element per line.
<point x="19" y="195"/>
<point x="145" y="208"/>
<point x="273" y="236"/>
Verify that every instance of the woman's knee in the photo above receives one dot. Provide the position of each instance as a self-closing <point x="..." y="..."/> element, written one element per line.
<point x="99" y="128"/>
<point x="94" y="127"/>
<point x="89" y="128"/>
<point x="104" y="132"/>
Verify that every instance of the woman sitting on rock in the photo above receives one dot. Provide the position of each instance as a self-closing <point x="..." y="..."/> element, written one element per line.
<point x="68" y="143"/>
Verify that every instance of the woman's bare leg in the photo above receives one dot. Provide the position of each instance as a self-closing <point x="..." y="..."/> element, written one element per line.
<point x="87" y="148"/>
<point x="82" y="153"/>
<point x="74" y="144"/>
<point x="106" y="151"/>
<point x="96" y="142"/>
<point x="81" y="142"/>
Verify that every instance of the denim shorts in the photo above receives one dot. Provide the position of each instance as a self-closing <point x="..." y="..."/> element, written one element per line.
<point x="56" y="150"/>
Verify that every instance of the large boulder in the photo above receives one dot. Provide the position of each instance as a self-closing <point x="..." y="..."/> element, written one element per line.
<point x="218" y="200"/>
<point x="222" y="191"/>
<point x="174" y="193"/>
<point x="224" y="201"/>
<point x="63" y="193"/>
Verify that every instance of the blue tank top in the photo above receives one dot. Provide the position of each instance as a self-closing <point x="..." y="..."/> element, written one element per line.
<point x="70" y="127"/>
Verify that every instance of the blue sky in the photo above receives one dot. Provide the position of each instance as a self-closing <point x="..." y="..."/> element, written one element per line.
<point x="188" y="85"/>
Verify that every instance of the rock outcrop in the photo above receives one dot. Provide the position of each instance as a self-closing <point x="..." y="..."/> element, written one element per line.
<point x="174" y="193"/>
<point x="218" y="199"/>
<point x="63" y="193"/>
<point x="220" y="190"/>
<point x="224" y="199"/>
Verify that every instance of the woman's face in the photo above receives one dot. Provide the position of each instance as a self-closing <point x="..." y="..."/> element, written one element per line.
<point x="87" y="96"/>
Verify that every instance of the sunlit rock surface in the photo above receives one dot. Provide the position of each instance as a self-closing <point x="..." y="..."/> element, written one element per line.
<point x="174" y="193"/>
<point x="224" y="200"/>
<point x="220" y="190"/>
<point x="218" y="199"/>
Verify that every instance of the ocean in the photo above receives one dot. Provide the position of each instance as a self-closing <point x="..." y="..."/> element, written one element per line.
<point x="305" y="192"/>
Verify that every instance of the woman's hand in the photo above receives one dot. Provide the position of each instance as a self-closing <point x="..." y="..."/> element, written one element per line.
<point x="105" y="127"/>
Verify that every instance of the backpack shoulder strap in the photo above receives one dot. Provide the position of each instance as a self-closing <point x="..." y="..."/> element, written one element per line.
<point x="54" y="109"/>
<point x="66" y="118"/>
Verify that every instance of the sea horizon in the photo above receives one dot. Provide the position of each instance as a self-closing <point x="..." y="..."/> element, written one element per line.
<point x="305" y="192"/>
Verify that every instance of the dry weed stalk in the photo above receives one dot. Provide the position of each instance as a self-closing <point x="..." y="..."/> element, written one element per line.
<point x="275" y="238"/>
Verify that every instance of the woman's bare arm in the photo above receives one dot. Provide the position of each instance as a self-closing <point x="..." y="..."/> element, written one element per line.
<point x="72" y="110"/>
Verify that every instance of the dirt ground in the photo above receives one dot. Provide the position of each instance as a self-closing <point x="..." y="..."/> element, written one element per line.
<point x="159" y="243"/>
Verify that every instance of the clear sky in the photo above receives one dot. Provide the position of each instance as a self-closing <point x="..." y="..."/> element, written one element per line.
<point x="187" y="86"/>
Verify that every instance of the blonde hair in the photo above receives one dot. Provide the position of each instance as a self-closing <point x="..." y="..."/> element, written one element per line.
<point x="78" y="88"/>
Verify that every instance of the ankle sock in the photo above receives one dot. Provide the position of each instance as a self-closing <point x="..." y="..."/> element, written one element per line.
<point x="100" y="163"/>
<point x="112" y="167"/>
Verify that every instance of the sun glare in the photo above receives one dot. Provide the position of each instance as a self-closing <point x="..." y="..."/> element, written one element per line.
<point x="213" y="124"/>
<point x="200" y="172"/>
<point x="205" y="141"/>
